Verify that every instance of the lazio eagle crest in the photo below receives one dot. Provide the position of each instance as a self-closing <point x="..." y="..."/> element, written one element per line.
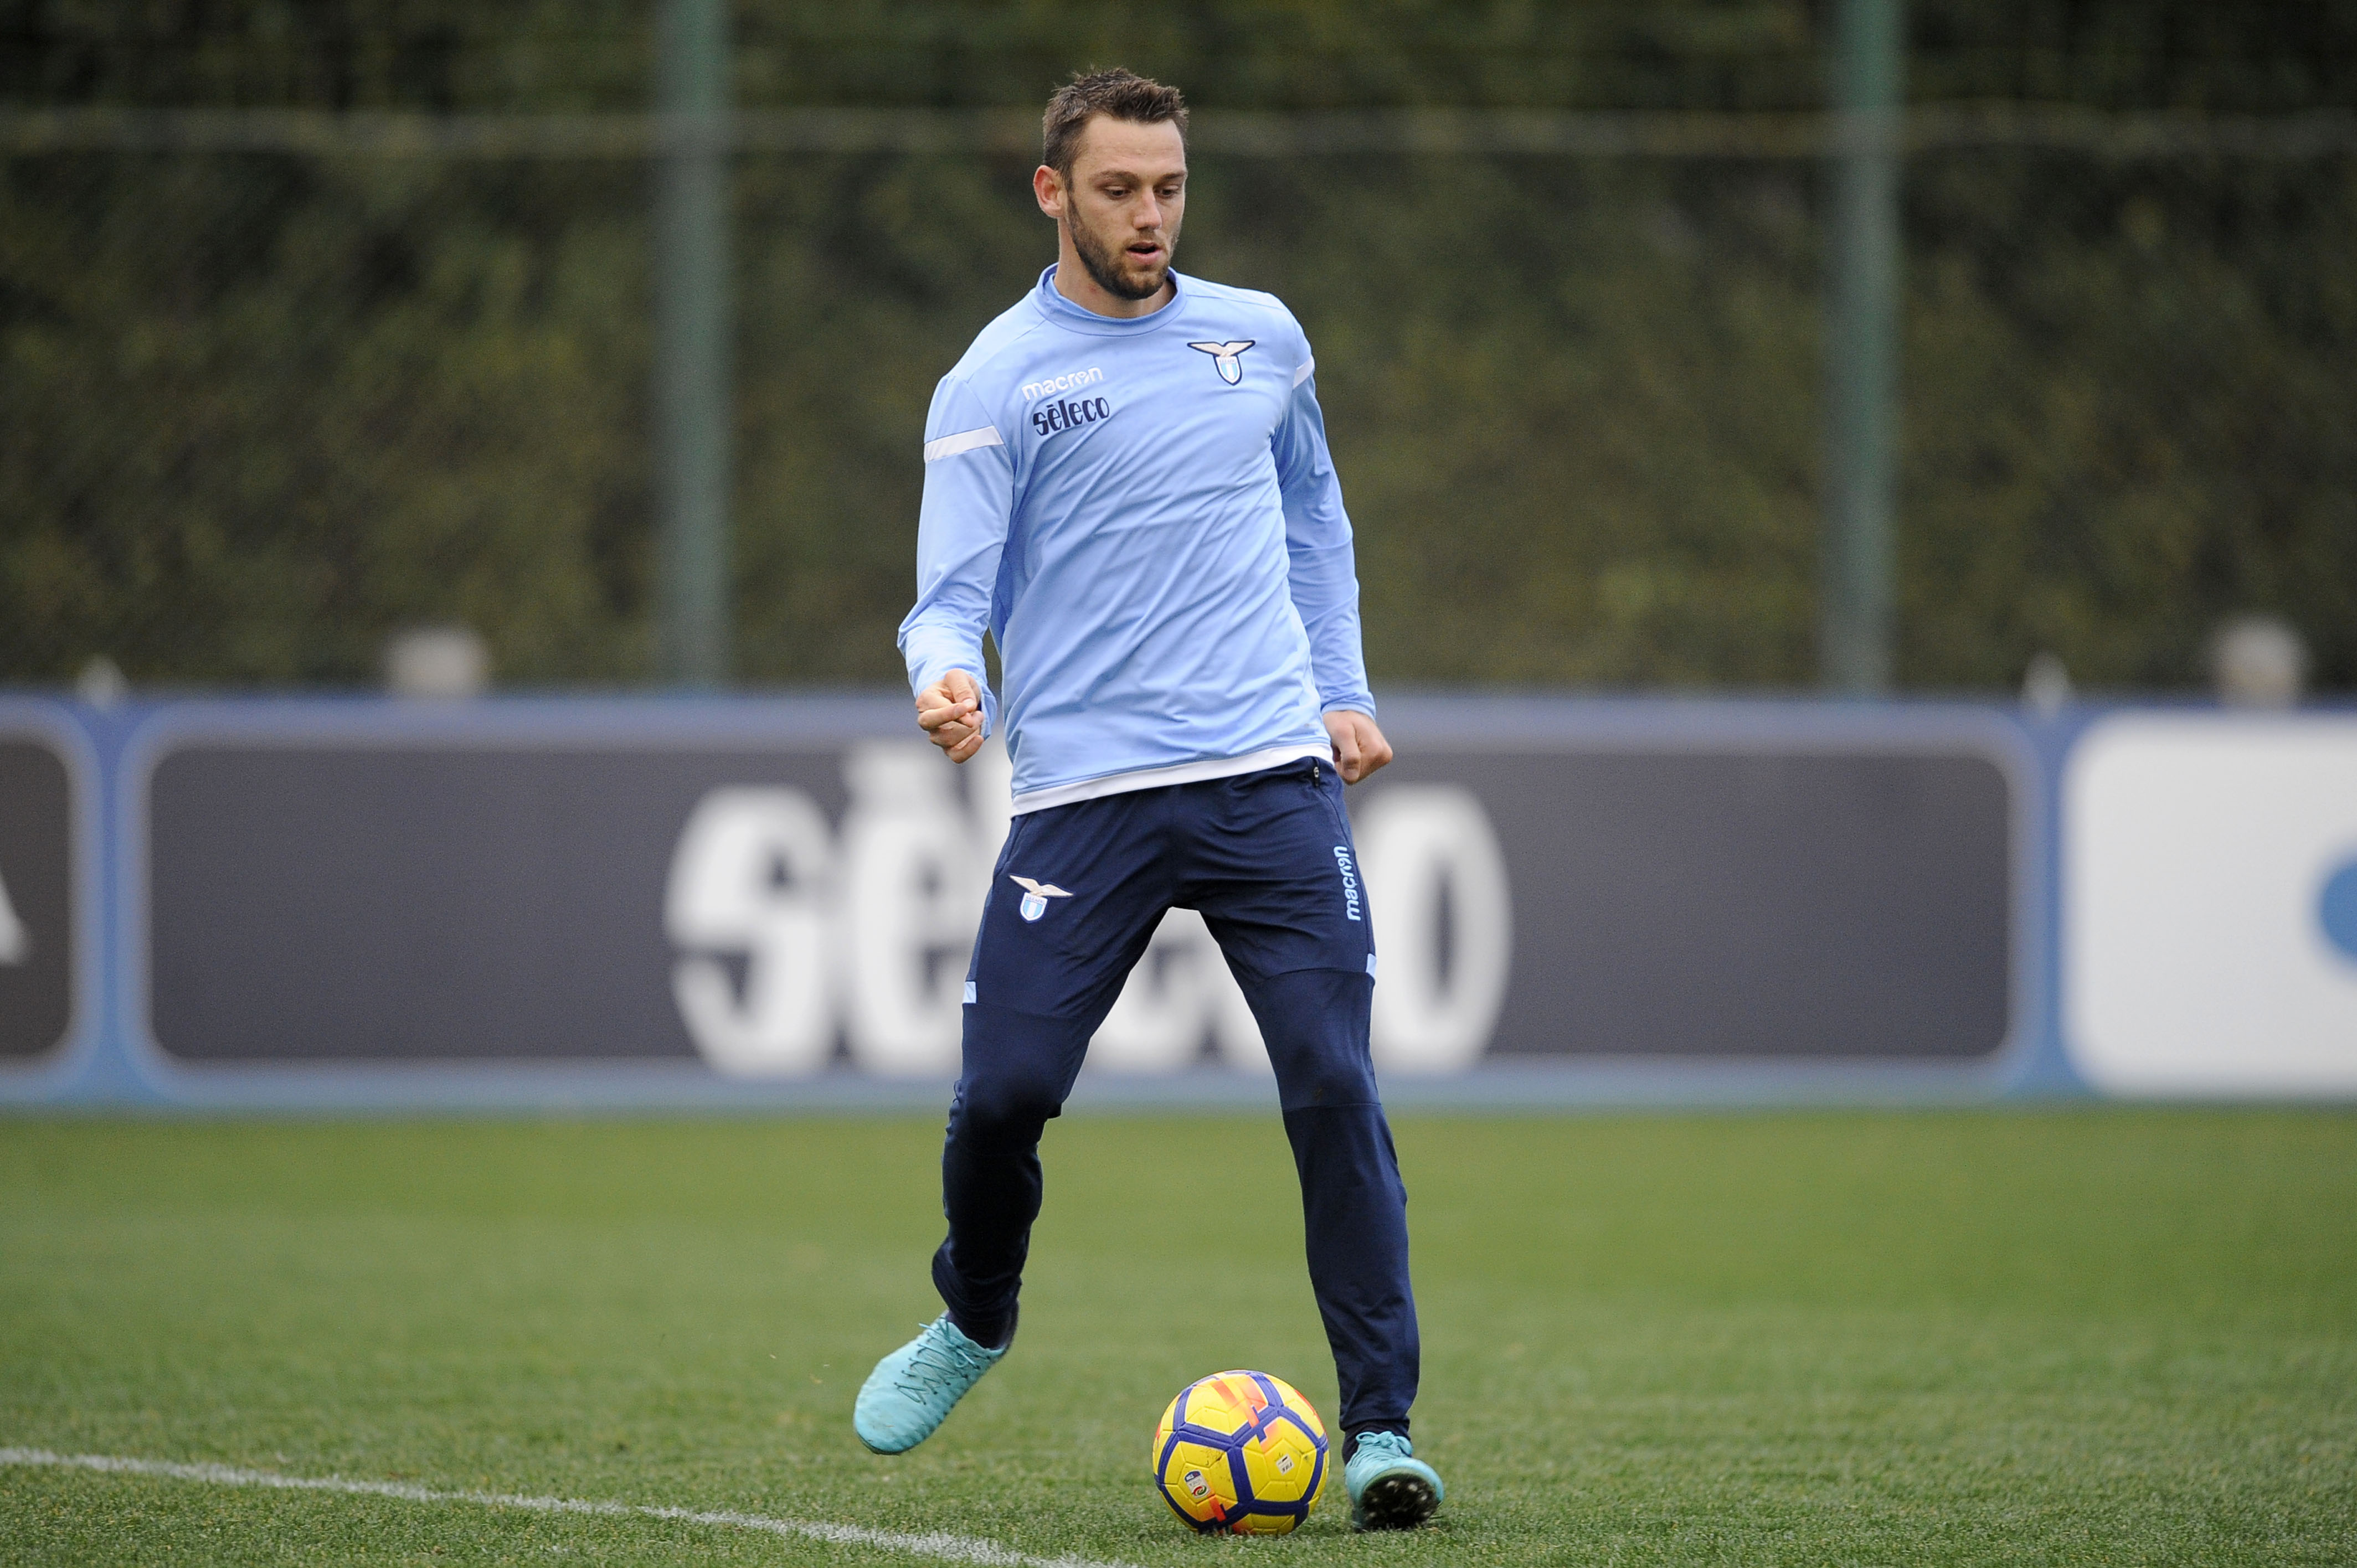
<point x="1036" y="895"/>
<point x="1223" y="358"/>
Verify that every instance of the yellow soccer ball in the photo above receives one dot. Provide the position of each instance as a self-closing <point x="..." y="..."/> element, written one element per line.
<point x="1241" y="1452"/>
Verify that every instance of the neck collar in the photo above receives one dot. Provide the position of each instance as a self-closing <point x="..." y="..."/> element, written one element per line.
<point x="1064" y="312"/>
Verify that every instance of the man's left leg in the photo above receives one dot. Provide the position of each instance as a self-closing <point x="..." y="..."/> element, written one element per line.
<point x="1354" y="1224"/>
<point x="1276" y="878"/>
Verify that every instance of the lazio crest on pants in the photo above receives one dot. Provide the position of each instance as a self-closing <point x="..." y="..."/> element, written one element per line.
<point x="1036" y="895"/>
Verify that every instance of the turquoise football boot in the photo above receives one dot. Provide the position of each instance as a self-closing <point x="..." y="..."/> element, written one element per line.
<point x="911" y="1391"/>
<point x="1390" y="1489"/>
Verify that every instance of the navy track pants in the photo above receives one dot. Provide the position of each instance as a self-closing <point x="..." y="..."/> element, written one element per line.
<point x="1268" y="860"/>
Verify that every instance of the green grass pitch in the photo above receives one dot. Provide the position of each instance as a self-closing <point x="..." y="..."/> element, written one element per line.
<point x="1974" y="1336"/>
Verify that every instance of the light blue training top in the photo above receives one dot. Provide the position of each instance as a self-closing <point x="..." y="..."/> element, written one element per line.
<point x="1143" y="514"/>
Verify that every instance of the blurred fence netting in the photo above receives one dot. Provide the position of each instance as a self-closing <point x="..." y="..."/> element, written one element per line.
<point x="267" y="396"/>
<point x="262" y="407"/>
<point x="2128" y="386"/>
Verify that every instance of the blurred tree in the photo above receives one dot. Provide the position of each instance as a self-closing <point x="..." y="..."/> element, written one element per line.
<point x="260" y="409"/>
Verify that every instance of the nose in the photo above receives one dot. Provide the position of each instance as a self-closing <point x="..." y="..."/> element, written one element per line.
<point x="1149" y="213"/>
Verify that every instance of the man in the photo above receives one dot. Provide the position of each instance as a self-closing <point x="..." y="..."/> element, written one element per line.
<point x="1126" y="482"/>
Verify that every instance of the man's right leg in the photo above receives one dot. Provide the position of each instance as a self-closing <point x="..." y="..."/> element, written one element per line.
<point x="1018" y="1068"/>
<point x="1076" y="895"/>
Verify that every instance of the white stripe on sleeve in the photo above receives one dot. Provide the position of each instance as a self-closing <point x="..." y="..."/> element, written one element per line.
<point x="965" y="441"/>
<point x="1302" y="374"/>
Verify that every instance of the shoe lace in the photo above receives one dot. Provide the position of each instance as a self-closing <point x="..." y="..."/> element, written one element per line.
<point x="939" y="1363"/>
<point x="1390" y="1445"/>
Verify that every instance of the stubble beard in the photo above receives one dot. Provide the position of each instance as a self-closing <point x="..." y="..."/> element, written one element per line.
<point x="1104" y="264"/>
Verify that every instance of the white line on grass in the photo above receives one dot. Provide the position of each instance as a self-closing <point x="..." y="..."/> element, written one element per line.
<point x="936" y="1543"/>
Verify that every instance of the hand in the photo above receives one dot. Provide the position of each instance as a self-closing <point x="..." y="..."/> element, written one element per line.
<point x="1358" y="747"/>
<point x="950" y="713"/>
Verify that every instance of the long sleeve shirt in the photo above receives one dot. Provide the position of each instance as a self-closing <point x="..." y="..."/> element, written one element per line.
<point x="1143" y="514"/>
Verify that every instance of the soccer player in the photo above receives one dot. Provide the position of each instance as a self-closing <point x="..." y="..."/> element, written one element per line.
<point x="1126" y="483"/>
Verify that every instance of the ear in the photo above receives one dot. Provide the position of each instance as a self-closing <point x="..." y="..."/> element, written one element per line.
<point x="1049" y="189"/>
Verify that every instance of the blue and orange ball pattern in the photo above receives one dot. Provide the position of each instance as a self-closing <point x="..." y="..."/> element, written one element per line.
<point x="1242" y="1453"/>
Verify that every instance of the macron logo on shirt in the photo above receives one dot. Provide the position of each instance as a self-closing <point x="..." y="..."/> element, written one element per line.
<point x="1033" y="391"/>
<point x="1061" y="413"/>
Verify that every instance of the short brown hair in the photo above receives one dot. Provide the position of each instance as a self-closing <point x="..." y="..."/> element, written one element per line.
<point x="1122" y="94"/>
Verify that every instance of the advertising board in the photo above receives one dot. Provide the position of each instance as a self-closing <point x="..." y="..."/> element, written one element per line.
<point x="2210" y="903"/>
<point x="1802" y="899"/>
<point x="775" y="899"/>
<point x="39" y="920"/>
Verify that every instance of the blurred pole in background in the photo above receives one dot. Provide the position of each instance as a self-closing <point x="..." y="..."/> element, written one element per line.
<point x="693" y="406"/>
<point x="1862" y="349"/>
